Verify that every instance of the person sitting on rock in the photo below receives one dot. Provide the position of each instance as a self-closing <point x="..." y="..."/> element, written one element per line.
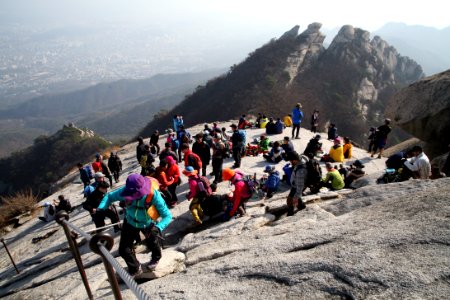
<point x="276" y="153"/>
<point x="287" y="146"/>
<point x="279" y="126"/>
<point x="356" y="172"/>
<point x="136" y="195"/>
<point x="243" y="123"/>
<point x="419" y="164"/>
<point x="49" y="212"/>
<point x="93" y="201"/>
<point x="240" y="195"/>
<point x="263" y="145"/>
<point x="264" y="121"/>
<point x="397" y="160"/>
<point x="332" y="132"/>
<point x="63" y="204"/>
<point x="197" y="193"/>
<point x="336" y="153"/>
<point x="298" y="177"/>
<point x="333" y="180"/>
<point x="314" y="146"/>
<point x="271" y="127"/>
<point x="272" y="183"/>
<point x="347" y="148"/>
<point x="287" y="120"/>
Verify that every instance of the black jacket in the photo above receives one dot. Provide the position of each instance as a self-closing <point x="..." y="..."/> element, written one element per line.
<point x="203" y="151"/>
<point x="93" y="200"/>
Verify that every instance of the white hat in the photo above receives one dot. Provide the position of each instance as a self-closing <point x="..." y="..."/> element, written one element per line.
<point x="99" y="175"/>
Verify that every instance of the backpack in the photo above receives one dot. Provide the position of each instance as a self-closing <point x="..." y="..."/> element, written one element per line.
<point x="242" y="135"/>
<point x="250" y="183"/>
<point x="205" y="189"/>
<point x="89" y="172"/>
<point x="151" y="209"/>
<point x="313" y="169"/>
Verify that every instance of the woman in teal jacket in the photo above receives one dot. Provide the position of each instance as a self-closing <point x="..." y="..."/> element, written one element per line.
<point x="137" y="219"/>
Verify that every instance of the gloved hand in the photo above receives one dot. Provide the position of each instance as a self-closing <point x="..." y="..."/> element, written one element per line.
<point x="152" y="231"/>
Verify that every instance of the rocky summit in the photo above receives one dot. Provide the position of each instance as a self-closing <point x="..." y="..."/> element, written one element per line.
<point x="378" y="241"/>
<point x="423" y="109"/>
<point x="350" y="82"/>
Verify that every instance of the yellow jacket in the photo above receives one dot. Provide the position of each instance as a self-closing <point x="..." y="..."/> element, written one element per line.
<point x="263" y="123"/>
<point x="349" y="148"/>
<point x="287" y="121"/>
<point x="337" y="153"/>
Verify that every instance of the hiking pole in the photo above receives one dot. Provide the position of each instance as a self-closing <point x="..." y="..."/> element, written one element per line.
<point x="61" y="218"/>
<point x="9" y="254"/>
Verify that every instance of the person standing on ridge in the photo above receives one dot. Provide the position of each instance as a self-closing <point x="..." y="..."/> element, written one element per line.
<point x="202" y="149"/>
<point x="297" y="116"/>
<point x="315" y="121"/>
<point x="238" y="142"/>
<point x="381" y="137"/>
<point x="115" y="165"/>
<point x="140" y="148"/>
<point x="154" y="141"/>
<point x="85" y="174"/>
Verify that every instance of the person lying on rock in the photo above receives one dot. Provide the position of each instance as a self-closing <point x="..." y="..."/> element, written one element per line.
<point x="298" y="177"/>
<point x="144" y="206"/>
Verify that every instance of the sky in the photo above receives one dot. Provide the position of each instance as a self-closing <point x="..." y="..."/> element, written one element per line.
<point x="244" y="14"/>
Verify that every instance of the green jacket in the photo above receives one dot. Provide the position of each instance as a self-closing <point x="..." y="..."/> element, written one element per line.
<point x="264" y="144"/>
<point x="136" y="214"/>
<point x="337" y="182"/>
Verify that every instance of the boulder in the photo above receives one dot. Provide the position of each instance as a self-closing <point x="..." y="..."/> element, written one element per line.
<point x="423" y="110"/>
<point x="172" y="261"/>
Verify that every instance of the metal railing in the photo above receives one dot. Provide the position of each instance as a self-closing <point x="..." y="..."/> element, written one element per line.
<point x="100" y="243"/>
<point x="9" y="254"/>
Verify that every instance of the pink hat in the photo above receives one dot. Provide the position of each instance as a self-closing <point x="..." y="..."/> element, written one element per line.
<point x="170" y="160"/>
<point x="337" y="141"/>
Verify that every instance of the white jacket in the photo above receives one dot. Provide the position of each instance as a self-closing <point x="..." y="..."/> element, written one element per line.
<point x="420" y="164"/>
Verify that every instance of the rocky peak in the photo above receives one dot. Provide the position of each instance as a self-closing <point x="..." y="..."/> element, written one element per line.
<point x="291" y="34"/>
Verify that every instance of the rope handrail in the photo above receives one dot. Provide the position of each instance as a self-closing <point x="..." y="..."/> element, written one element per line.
<point x="103" y="227"/>
<point x="78" y="230"/>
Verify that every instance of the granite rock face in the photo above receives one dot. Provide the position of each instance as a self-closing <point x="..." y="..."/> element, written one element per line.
<point x="423" y="109"/>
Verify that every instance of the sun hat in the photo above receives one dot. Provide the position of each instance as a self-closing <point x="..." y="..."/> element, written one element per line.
<point x="136" y="187"/>
<point x="227" y="174"/>
<point x="190" y="171"/>
<point x="337" y="141"/>
<point x="170" y="160"/>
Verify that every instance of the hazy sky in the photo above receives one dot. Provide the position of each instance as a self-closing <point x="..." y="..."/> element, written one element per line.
<point x="245" y="14"/>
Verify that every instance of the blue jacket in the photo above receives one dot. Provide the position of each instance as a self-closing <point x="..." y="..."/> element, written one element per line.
<point x="297" y="116"/>
<point x="136" y="214"/>
<point x="84" y="175"/>
<point x="273" y="181"/>
<point x="279" y="126"/>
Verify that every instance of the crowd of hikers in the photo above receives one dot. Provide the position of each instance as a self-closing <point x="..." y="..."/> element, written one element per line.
<point x="147" y="198"/>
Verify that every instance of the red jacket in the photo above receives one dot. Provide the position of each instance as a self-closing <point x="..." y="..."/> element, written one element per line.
<point x="97" y="166"/>
<point x="240" y="193"/>
<point x="173" y="173"/>
<point x="193" y="160"/>
<point x="164" y="182"/>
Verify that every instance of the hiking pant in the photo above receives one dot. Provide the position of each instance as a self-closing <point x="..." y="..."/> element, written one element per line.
<point x="291" y="203"/>
<point x="173" y="194"/>
<point x="237" y="155"/>
<point x="217" y="164"/>
<point x="196" y="210"/>
<point x="126" y="250"/>
<point x="295" y="127"/>
<point x="110" y="179"/>
<point x="203" y="169"/>
<point x="100" y="215"/>
<point x="116" y="174"/>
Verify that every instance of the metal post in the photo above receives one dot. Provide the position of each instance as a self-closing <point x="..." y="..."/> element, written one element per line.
<point x="9" y="254"/>
<point x="107" y="241"/>
<point x="60" y="218"/>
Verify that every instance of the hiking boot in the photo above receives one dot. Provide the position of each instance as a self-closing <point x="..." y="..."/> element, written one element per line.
<point x="290" y="211"/>
<point x="137" y="273"/>
<point x="152" y="265"/>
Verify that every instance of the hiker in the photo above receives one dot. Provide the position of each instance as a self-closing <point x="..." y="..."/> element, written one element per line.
<point x="258" y="120"/>
<point x="177" y="122"/>
<point x="271" y="127"/>
<point x="49" y="212"/>
<point x="215" y="203"/>
<point x="371" y="139"/>
<point x="63" y="204"/>
<point x="199" y="189"/>
<point x="381" y="135"/>
<point x="190" y="158"/>
<point x="419" y="164"/>
<point x="240" y="195"/>
<point x="342" y="170"/>
<point x="314" y="146"/>
<point x="347" y="148"/>
<point x="207" y="128"/>
<point x="207" y="138"/>
<point x="333" y="180"/>
<point x="272" y="183"/>
<point x="243" y="123"/>
<point x="98" y="177"/>
<point x="138" y="195"/>
<point x="203" y="150"/>
<point x="86" y="174"/>
<point x="140" y="148"/>
<point x="238" y="142"/>
<point x="276" y="153"/>
<point x="287" y="120"/>
<point x="97" y="165"/>
<point x="264" y="121"/>
<point x="167" y="151"/>
<point x="183" y="137"/>
<point x="173" y="173"/>
<point x="356" y="172"/>
<point x="164" y="182"/>
<point x="279" y="126"/>
<point x="298" y="177"/>
<point x="332" y="132"/>
<point x="263" y="145"/>
<point x="314" y="174"/>
<point x="336" y="153"/>
<point x="105" y="170"/>
<point x="98" y="216"/>
<point x="287" y="146"/>
<point x="115" y="165"/>
<point x="297" y="116"/>
<point x="397" y="160"/>
<point x="147" y="160"/>
<point x="154" y="139"/>
<point x="217" y="157"/>
<point x="315" y="121"/>
<point x="174" y="143"/>
<point x="225" y="136"/>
